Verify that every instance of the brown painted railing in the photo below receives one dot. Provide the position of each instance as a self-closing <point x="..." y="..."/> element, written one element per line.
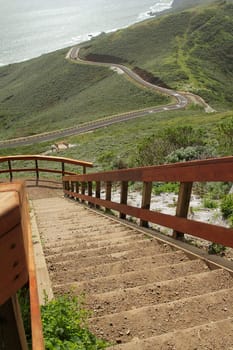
<point x="9" y="169"/>
<point x="17" y="269"/>
<point x="219" y="169"/>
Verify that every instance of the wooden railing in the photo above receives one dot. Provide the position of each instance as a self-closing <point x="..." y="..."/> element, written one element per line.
<point x="36" y="159"/>
<point x="17" y="269"/>
<point x="219" y="169"/>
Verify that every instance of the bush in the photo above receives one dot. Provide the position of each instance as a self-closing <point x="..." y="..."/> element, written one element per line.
<point x="190" y="153"/>
<point x="216" y="248"/>
<point x="153" y="151"/>
<point x="225" y="136"/>
<point x="227" y="206"/>
<point x="209" y="203"/>
<point x="169" y="187"/>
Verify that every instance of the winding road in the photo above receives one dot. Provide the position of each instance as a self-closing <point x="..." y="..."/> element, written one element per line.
<point x="181" y="101"/>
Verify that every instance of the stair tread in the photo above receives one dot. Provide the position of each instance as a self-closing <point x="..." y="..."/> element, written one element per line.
<point x="132" y="279"/>
<point x="214" y="335"/>
<point x="167" y="317"/>
<point x="59" y="270"/>
<point x="161" y="292"/>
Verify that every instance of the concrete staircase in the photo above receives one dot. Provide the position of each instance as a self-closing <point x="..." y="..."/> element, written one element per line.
<point x="143" y="292"/>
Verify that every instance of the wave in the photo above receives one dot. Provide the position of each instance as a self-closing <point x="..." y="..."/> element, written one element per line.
<point x="159" y="6"/>
<point x="85" y="37"/>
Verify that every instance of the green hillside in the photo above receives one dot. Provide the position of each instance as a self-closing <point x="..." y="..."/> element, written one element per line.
<point x="49" y="93"/>
<point x="120" y="143"/>
<point x="190" y="50"/>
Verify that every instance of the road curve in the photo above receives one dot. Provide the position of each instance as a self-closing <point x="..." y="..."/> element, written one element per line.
<point x="73" y="54"/>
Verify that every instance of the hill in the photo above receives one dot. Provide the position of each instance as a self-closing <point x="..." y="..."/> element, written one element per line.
<point x="189" y="50"/>
<point x="49" y="93"/>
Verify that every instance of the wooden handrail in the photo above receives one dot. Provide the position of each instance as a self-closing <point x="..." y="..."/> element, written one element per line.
<point x="17" y="268"/>
<point x="37" y="158"/>
<point x="218" y="169"/>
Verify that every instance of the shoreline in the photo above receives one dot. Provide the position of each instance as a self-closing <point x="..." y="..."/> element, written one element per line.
<point x="75" y="40"/>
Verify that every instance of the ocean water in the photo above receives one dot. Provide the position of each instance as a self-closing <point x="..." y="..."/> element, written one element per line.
<point x="30" y="28"/>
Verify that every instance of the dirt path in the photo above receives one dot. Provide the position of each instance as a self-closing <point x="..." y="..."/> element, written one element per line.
<point x="143" y="293"/>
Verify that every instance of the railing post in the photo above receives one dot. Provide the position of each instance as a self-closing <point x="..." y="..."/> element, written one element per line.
<point x="146" y="199"/>
<point x="72" y="187"/>
<point x="37" y="171"/>
<point x="97" y="192"/>
<point x="84" y="170"/>
<point x="10" y="170"/>
<point x="108" y="193"/>
<point x="77" y="189"/>
<point x="90" y="192"/>
<point x="63" y="168"/>
<point x="182" y="208"/>
<point x="66" y="186"/>
<point x="124" y="196"/>
<point x="83" y="188"/>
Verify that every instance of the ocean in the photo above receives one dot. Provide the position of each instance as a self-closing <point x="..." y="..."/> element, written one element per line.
<point x="30" y="28"/>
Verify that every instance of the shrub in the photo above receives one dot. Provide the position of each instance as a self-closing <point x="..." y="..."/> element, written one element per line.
<point x="190" y="153"/>
<point x="227" y="206"/>
<point x="225" y="136"/>
<point x="209" y="203"/>
<point x="216" y="248"/>
<point x="169" y="187"/>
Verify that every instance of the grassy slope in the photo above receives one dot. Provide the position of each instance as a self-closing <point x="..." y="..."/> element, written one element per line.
<point x="189" y="50"/>
<point x="49" y="92"/>
<point x="105" y="146"/>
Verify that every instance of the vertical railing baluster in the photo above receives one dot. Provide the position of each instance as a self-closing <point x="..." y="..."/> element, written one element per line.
<point x="77" y="189"/>
<point x="97" y="192"/>
<point x="37" y="171"/>
<point x="90" y="192"/>
<point x="108" y="193"/>
<point x="83" y="189"/>
<point x="67" y="186"/>
<point x="72" y="188"/>
<point x="183" y="205"/>
<point x="10" y="170"/>
<point x="124" y="196"/>
<point x="146" y="199"/>
<point x="63" y="168"/>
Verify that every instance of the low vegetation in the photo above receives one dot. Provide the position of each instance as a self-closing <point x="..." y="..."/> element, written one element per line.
<point x="49" y="93"/>
<point x="126" y="143"/>
<point x="196" y="55"/>
<point x="65" y="323"/>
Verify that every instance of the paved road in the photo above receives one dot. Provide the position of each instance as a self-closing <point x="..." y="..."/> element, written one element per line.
<point x="181" y="102"/>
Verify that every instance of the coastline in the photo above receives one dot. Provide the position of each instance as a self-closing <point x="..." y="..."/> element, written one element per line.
<point x="18" y="53"/>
